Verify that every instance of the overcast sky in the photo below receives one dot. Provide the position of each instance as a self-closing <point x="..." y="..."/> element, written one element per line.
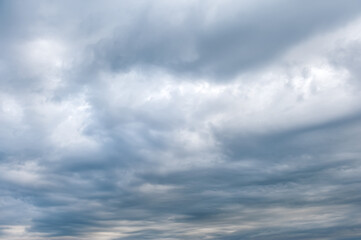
<point x="186" y="119"/>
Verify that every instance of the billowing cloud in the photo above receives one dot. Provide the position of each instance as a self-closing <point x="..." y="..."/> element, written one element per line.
<point x="180" y="120"/>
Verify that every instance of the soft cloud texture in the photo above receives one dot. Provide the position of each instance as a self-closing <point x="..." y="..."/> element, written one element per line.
<point x="180" y="120"/>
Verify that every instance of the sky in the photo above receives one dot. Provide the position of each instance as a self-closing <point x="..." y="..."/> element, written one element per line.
<point x="187" y="119"/>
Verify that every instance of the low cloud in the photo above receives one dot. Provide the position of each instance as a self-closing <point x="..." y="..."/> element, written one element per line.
<point x="185" y="120"/>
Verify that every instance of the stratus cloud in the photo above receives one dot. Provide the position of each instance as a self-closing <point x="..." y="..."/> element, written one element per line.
<point x="217" y="40"/>
<point x="180" y="120"/>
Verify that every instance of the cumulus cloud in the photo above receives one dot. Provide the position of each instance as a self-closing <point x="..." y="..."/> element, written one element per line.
<point x="180" y="120"/>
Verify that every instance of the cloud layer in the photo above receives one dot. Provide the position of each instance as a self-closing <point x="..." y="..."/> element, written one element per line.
<point x="180" y="120"/>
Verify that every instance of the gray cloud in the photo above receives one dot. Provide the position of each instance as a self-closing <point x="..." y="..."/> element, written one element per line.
<point x="243" y="37"/>
<point x="187" y="120"/>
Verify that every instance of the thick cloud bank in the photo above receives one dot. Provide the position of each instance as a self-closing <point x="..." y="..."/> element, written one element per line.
<point x="180" y="120"/>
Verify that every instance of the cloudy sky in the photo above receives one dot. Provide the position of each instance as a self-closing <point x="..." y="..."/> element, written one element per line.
<point x="187" y="119"/>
